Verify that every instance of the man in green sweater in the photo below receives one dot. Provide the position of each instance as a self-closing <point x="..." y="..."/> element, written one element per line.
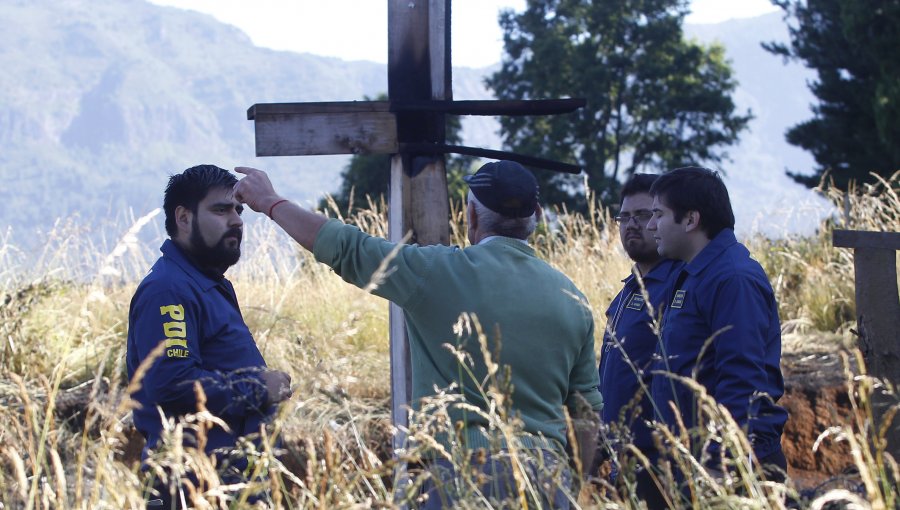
<point x="543" y="320"/>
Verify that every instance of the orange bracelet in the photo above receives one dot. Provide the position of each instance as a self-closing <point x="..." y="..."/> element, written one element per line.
<point x="276" y="203"/>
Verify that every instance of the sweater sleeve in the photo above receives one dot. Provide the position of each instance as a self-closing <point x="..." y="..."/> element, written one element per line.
<point x="171" y="318"/>
<point x="394" y="272"/>
<point x="584" y="378"/>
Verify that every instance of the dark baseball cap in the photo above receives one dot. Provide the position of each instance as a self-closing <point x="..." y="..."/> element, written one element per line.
<point x="506" y="188"/>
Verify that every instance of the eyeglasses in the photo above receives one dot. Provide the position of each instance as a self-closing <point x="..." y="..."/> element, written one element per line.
<point x="640" y="217"/>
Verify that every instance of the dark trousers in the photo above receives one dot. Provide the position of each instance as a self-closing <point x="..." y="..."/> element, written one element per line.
<point x="168" y="492"/>
<point x="774" y="468"/>
<point x="548" y="475"/>
<point x="171" y="491"/>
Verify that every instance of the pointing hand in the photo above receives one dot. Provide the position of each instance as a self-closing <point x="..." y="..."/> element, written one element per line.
<point x="255" y="189"/>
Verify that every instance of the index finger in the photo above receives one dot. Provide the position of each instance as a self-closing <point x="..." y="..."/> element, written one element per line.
<point x="246" y="170"/>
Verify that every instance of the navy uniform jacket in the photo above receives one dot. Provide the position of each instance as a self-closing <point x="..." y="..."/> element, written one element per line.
<point x="198" y="319"/>
<point x="628" y="318"/>
<point x="725" y="295"/>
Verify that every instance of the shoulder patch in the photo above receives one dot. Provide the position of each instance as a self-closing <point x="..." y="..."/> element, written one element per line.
<point x="175" y="331"/>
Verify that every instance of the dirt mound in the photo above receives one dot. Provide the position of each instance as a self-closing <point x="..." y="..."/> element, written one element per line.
<point x="816" y="399"/>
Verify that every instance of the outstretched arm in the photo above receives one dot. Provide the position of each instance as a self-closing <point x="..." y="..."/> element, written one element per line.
<point x="257" y="192"/>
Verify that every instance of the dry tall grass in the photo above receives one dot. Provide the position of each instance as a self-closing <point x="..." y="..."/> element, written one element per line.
<point x="63" y="317"/>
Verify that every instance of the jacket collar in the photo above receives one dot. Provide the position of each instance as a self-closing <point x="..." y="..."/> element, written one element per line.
<point x="660" y="271"/>
<point x="711" y="251"/>
<point x="171" y="251"/>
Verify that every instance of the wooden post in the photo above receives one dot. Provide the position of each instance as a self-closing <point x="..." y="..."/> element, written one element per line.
<point x="418" y="70"/>
<point x="401" y="377"/>
<point x="877" y="310"/>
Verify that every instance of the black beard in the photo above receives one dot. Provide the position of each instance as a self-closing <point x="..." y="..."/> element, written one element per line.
<point x="644" y="257"/>
<point x="219" y="256"/>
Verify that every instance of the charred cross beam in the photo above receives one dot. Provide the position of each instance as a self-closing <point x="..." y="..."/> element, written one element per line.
<point x="410" y="125"/>
<point x="374" y="127"/>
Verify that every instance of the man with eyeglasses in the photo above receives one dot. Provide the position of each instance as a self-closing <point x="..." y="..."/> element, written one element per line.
<point x="630" y="338"/>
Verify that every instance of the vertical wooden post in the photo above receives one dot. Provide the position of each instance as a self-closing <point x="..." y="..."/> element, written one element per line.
<point x="877" y="311"/>
<point x="401" y="377"/>
<point x="878" y="323"/>
<point x="418" y="69"/>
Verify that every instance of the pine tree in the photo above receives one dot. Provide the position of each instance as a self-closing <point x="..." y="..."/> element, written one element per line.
<point x="852" y="45"/>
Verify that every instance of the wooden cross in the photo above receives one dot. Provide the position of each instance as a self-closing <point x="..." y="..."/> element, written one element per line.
<point x="410" y="125"/>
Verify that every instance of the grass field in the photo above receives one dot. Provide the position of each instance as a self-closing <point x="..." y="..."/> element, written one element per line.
<point x="63" y="320"/>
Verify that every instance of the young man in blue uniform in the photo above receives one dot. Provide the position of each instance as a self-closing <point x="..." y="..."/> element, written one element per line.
<point x="631" y="328"/>
<point x="187" y="308"/>
<point x="721" y="323"/>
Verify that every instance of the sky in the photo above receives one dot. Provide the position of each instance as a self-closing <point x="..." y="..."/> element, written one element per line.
<point x="357" y="29"/>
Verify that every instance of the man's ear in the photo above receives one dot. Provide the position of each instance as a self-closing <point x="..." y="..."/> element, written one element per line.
<point x="691" y="221"/>
<point x="471" y="217"/>
<point x="183" y="218"/>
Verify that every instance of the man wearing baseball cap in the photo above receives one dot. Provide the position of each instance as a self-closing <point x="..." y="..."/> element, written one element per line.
<point x="537" y="323"/>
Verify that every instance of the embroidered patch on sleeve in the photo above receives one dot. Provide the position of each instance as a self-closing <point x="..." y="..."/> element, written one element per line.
<point x="175" y="331"/>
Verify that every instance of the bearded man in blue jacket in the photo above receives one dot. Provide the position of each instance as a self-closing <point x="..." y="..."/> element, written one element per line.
<point x="630" y="338"/>
<point x="185" y="329"/>
<point x="721" y="325"/>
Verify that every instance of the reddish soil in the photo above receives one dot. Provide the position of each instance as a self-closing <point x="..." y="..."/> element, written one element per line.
<point x="816" y="399"/>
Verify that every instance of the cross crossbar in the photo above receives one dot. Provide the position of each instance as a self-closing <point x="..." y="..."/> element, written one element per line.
<point x="370" y="127"/>
<point x="866" y="239"/>
<point x="465" y="107"/>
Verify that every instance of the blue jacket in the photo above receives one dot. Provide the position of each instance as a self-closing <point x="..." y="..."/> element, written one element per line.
<point x="725" y="295"/>
<point x="197" y="317"/>
<point x="628" y="346"/>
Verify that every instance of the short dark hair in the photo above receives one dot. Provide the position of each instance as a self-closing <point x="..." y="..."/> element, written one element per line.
<point x="698" y="189"/>
<point x="638" y="183"/>
<point x="188" y="188"/>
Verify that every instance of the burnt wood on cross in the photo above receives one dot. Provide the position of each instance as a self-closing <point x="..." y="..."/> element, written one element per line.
<point x="410" y="125"/>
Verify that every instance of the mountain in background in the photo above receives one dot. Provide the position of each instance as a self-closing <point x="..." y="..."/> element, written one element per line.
<point x="765" y="199"/>
<point x="101" y="101"/>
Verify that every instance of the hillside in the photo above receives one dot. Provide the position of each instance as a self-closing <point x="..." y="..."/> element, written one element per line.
<point x="102" y="100"/>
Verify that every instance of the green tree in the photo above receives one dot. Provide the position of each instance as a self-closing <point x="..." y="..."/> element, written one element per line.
<point x="369" y="175"/>
<point x="654" y="100"/>
<point x="852" y="45"/>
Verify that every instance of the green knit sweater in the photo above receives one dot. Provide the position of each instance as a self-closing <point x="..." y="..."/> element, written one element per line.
<point x="541" y="319"/>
